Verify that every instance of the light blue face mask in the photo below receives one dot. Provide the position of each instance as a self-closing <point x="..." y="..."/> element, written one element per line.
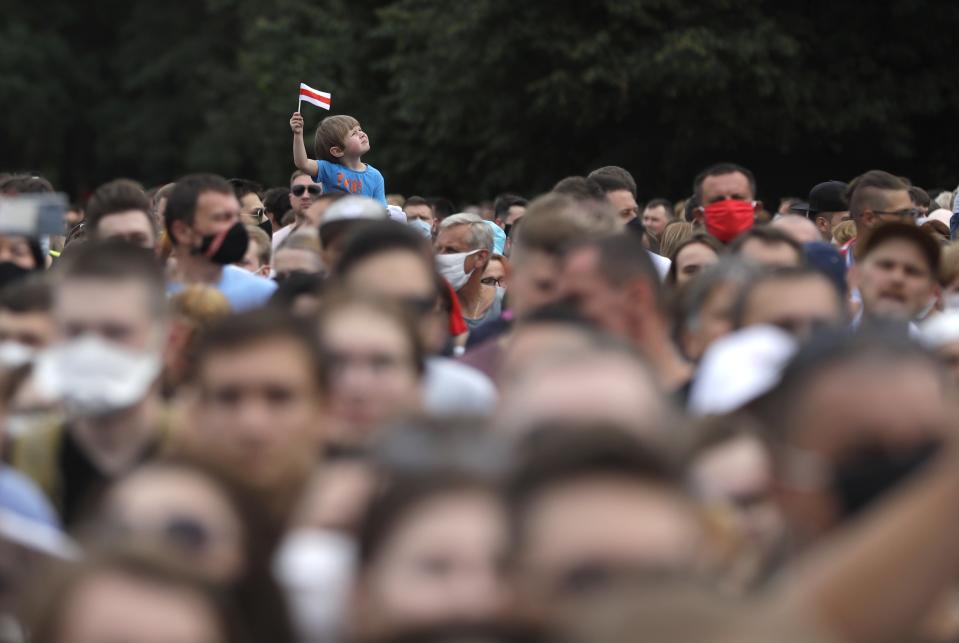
<point x="422" y="227"/>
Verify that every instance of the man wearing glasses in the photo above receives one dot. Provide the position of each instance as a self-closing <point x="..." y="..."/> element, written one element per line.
<point x="303" y="192"/>
<point x="877" y="197"/>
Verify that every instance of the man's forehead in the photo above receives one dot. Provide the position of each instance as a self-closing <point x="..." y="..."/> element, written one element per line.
<point x="729" y="184"/>
<point x="302" y="180"/>
<point x="897" y="248"/>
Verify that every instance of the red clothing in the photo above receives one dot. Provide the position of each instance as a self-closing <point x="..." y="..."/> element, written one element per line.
<point x="457" y="324"/>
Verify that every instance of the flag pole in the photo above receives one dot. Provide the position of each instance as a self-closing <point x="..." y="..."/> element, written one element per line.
<point x="299" y="103"/>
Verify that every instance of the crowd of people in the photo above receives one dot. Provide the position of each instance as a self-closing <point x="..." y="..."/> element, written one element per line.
<point x="322" y="413"/>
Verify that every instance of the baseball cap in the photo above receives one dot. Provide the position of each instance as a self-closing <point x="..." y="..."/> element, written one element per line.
<point x="824" y="197"/>
<point x="346" y="213"/>
<point x="354" y="208"/>
<point x="826" y="259"/>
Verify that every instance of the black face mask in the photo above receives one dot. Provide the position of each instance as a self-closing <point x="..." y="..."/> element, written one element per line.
<point x="226" y="247"/>
<point x="11" y="273"/>
<point x="873" y="470"/>
<point x="507" y="227"/>
<point x="635" y="225"/>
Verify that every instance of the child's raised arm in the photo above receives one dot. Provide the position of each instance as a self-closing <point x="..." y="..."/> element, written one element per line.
<point x="300" y="158"/>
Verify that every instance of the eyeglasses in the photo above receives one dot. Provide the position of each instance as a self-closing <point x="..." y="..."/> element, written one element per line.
<point x="909" y="213"/>
<point x="314" y="190"/>
<point x="257" y="213"/>
<point x="492" y="281"/>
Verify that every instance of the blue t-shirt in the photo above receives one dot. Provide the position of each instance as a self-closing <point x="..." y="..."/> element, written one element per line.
<point x="19" y="495"/>
<point x="243" y="289"/>
<point x="339" y="178"/>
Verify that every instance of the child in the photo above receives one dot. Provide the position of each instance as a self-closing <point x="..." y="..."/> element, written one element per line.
<point x="340" y="142"/>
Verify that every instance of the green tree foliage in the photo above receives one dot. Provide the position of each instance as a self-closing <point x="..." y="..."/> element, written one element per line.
<point x="469" y="99"/>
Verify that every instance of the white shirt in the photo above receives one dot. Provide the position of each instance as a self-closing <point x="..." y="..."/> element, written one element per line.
<point x="662" y="264"/>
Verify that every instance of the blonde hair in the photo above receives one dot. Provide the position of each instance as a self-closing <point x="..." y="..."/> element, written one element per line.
<point x="200" y="305"/>
<point x="844" y="232"/>
<point x="674" y="234"/>
<point x="308" y="239"/>
<point x="332" y="132"/>
<point x="263" y="243"/>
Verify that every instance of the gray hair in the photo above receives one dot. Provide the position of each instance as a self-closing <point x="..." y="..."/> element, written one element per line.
<point x="481" y="237"/>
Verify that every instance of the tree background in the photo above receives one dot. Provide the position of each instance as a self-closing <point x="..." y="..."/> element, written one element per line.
<point x="471" y="99"/>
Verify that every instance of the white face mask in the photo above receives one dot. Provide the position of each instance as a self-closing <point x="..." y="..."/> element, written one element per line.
<point x="92" y="376"/>
<point x="951" y="301"/>
<point x="315" y="568"/>
<point x="14" y="354"/>
<point x="424" y="229"/>
<point x="452" y="267"/>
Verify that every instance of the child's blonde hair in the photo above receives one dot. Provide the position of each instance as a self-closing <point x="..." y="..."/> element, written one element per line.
<point x="844" y="232"/>
<point x="332" y="132"/>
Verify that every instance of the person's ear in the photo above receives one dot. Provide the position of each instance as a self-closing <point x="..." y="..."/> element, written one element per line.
<point x="823" y="224"/>
<point x="336" y="152"/>
<point x="264" y="270"/>
<point x="758" y="207"/>
<point x="699" y="214"/>
<point x="868" y="218"/>
<point x="480" y="260"/>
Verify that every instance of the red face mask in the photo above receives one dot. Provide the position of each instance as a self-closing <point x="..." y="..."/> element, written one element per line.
<point x="729" y="218"/>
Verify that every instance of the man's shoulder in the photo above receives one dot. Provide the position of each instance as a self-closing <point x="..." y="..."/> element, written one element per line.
<point x="243" y="289"/>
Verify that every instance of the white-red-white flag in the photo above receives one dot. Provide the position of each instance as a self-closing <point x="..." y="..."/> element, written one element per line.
<point x="318" y="98"/>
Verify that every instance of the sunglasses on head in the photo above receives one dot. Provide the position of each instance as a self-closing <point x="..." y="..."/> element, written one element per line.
<point x="298" y="190"/>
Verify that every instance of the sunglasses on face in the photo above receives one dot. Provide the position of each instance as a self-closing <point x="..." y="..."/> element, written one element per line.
<point x="298" y="190"/>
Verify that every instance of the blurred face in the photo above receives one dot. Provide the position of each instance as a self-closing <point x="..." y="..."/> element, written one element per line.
<point x="288" y="260"/>
<point x="133" y="226"/>
<point x="895" y="280"/>
<point x="458" y="239"/>
<point x="887" y="407"/>
<point x="624" y="203"/>
<point x="112" y="607"/>
<point x="421" y="213"/>
<point x="251" y="260"/>
<point x="801" y="229"/>
<point x="592" y="296"/>
<point x="303" y="191"/>
<point x="314" y="213"/>
<point x="119" y="311"/>
<point x="216" y="212"/>
<point x="737" y="475"/>
<point x="773" y="254"/>
<point x="33" y="329"/>
<point x="374" y="377"/>
<point x="607" y="389"/>
<point x="534" y="282"/>
<point x="251" y="207"/>
<point x="260" y="408"/>
<point x="16" y="250"/>
<point x="185" y="512"/>
<point x="583" y="533"/>
<point x="514" y="214"/>
<point x="655" y="219"/>
<point x="495" y="274"/>
<point x="444" y="561"/>
<point x="714" y="320"/>
<point x="798" y="306"/>
<point x="692" y="260"/>
<point x="406" y="279"/>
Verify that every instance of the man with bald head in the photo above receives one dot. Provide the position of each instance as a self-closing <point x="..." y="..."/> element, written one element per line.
<point x="798" y="227"/>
